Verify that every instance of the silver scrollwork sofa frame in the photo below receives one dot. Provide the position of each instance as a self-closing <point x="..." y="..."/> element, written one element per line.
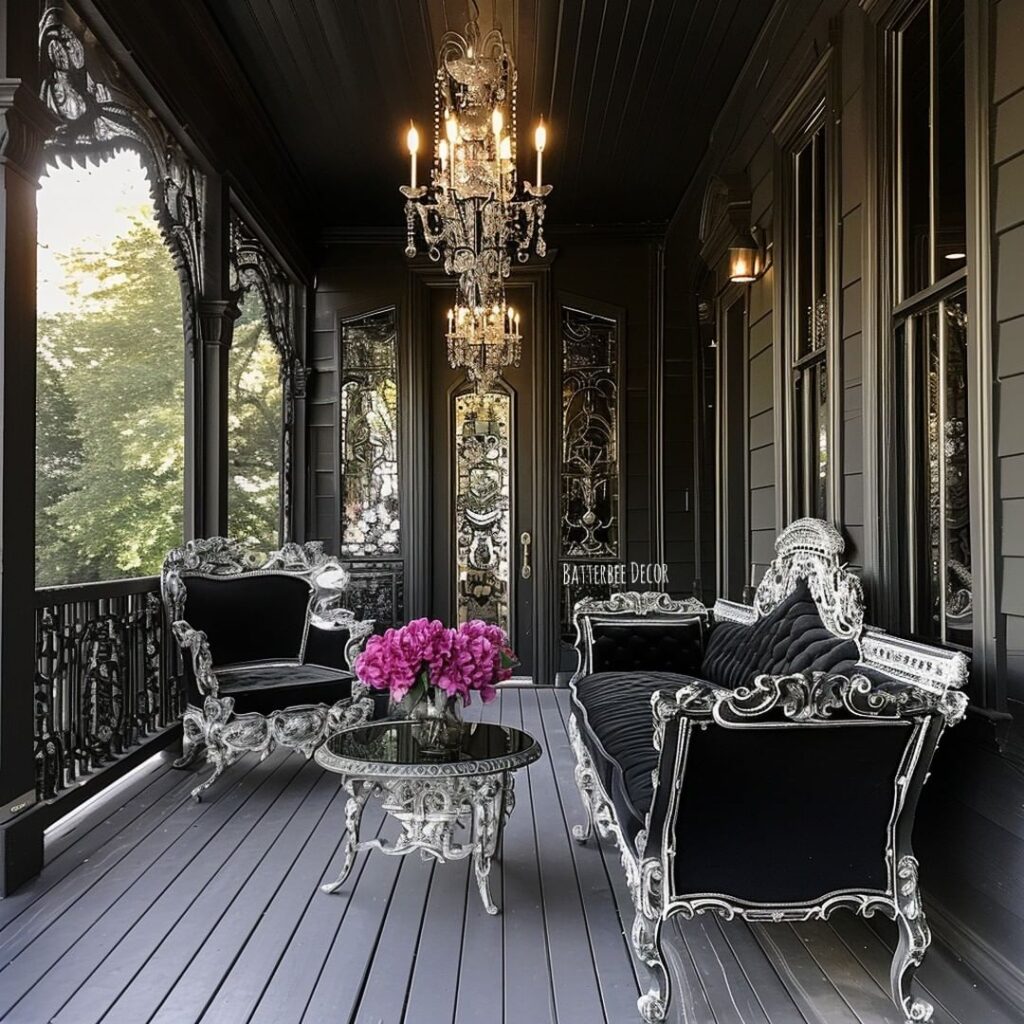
<point x="930" y="700"/>
<point x="215" y="727"/>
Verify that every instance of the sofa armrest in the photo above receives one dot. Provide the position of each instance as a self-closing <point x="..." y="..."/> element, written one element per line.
<point x="813" y="697"/>
<point x="194" y="644"/>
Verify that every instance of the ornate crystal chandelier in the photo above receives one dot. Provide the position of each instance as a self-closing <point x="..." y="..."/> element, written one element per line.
<point x="484" y="341"/>
<point x="471" y="215"/>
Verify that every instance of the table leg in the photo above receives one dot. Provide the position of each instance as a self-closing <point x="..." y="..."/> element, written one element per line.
<point x="489" y="810"/>
<point x="359" y="792"/>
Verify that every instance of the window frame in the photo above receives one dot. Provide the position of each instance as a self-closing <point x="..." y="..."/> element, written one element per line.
<point x="814" y="107"/>
<point x="987" y="686"/>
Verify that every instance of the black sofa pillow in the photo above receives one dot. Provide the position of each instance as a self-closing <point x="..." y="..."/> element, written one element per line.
<point x="792" y="638"/>
<point x="647" y="645"/>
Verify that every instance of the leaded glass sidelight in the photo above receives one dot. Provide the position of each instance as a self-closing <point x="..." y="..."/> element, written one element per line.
<point x="932" y="349"/>
<point x="483" y="507"/>
<point x="589" y="525"/>
<point x="370" y="525"/>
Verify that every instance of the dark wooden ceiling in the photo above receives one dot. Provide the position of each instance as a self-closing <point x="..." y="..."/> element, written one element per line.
<point x="629" y="88"/>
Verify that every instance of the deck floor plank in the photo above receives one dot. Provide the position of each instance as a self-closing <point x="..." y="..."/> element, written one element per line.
<point x="819" y="999"/>
<point x="37" y="944"/>
<point x="573" y="968"/>
<point x="480" y="990"/>
<point x="85" y="982"/>
<point x="771" y="993"/>
<point x="340" y="983"/>
<point x="291" y="984"/>
<point x="66" y="852"/>
<point x="155" y="910"/>
<point x="607" y="931"/>
<point x="211" y="963"/>
<point x="454" y="924"/>
<point x="123" y="857"/>
<point x="687" y="992"/>
<point x="722" y="977"/>
<point x="529" y="993"/>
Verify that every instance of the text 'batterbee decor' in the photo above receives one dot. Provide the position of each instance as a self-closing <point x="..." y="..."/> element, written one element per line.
<point x="471" y="214"/>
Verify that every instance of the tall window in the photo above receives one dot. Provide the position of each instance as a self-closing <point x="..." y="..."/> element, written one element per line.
<point x="590" y="518"/>
<point x="930" y="320"/>
<point x="371" y="529"/>
<point x="110" y="379"/>
<point x="810" y="202"/>
<point x="255" y="409"/>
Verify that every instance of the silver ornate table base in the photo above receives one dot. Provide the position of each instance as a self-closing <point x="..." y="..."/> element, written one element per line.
<point x="430" y="810"/>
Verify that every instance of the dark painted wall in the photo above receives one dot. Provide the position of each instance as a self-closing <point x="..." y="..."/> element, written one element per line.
<point x="971" y="833"/>
<point x="1007" y="183"/>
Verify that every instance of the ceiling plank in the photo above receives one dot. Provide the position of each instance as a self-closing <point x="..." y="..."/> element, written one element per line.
<point x="615" y="79"/>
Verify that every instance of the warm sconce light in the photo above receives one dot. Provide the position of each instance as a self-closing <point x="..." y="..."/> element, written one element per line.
<point x="744" y="258"/>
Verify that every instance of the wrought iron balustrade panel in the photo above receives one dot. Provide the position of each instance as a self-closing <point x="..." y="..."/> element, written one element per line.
<point x="106" y="677"/>
<point x="376" y="591"/>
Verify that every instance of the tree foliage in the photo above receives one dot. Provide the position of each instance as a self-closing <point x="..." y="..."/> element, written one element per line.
<point x="110" y="416"/>
<point x="254" y="430"/>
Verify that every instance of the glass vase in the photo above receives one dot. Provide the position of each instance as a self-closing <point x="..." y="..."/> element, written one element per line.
<point x="437" y="723"/>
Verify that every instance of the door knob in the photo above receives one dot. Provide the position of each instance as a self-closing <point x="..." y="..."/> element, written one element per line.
<point x="526" y="571"/>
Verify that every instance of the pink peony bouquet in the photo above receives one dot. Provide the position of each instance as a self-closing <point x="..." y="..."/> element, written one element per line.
<point x="426" y="653"/>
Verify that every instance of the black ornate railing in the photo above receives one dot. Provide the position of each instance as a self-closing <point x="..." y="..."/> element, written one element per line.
<point x="106" y="677"/>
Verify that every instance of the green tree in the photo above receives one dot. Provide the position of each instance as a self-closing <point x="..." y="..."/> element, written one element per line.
<point x="254" y="429"/>
<point x="110" y="446"/>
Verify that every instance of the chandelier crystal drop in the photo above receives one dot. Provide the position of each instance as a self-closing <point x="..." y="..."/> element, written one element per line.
<point x="471" y="215"/>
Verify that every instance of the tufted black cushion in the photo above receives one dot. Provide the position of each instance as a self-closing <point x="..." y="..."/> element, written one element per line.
<point x="266" y="688"/>
<point x="250" y="617"/>
<point x="613" y="710"/>
<point x="790" y="639"/>
<point x="647" y="645"/>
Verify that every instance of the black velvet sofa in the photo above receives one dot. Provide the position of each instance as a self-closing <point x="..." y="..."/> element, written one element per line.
<point x="267" y="649"/>
<point x="762" y="762"/>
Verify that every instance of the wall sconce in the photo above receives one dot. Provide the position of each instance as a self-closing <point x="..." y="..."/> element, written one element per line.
<point x="745" y="264"/>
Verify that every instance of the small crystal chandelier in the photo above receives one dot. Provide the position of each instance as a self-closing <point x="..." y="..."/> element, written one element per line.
<point x="471" y="214"/>
<point x="484" y="341"/>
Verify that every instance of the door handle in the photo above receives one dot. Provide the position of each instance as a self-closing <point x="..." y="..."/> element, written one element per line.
<point x="525" y="539"/>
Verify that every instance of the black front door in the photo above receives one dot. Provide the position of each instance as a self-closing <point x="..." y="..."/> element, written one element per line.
<point x="481" y="499"/>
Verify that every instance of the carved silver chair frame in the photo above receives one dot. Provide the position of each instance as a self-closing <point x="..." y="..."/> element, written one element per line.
<point x="932" y="700"/>
<point x="215" y="727"/>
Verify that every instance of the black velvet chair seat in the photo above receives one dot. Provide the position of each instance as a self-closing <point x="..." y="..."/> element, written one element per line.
<point x="266" y="688"/>
<point x="617" y="728"/>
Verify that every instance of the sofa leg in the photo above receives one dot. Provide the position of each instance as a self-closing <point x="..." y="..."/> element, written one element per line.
<point x="585" y="784"/>
<point x="646" y="935"/>
<point x="914" y="939"/>
<point x="583" y="774"/>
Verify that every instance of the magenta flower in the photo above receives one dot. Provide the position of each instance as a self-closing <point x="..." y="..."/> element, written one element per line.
<point x="476" y="656"/>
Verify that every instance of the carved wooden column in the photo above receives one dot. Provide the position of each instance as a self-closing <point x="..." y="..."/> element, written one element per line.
<point x="216" y="321"/>
<point x="25" y="124"/>
<point x="218" y="312"/>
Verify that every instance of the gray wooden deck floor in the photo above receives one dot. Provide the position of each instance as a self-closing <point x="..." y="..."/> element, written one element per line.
<point x="155" y="909"/>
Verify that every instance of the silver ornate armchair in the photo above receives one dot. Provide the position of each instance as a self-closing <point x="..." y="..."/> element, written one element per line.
<point x="267" y="649"/>
<point x="776" y="776"/>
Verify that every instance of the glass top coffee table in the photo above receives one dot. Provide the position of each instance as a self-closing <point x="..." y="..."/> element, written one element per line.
<point x="430" y="793"/>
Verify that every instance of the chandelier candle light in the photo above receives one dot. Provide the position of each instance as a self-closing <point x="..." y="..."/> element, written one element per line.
<point x="471" y="214"/>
